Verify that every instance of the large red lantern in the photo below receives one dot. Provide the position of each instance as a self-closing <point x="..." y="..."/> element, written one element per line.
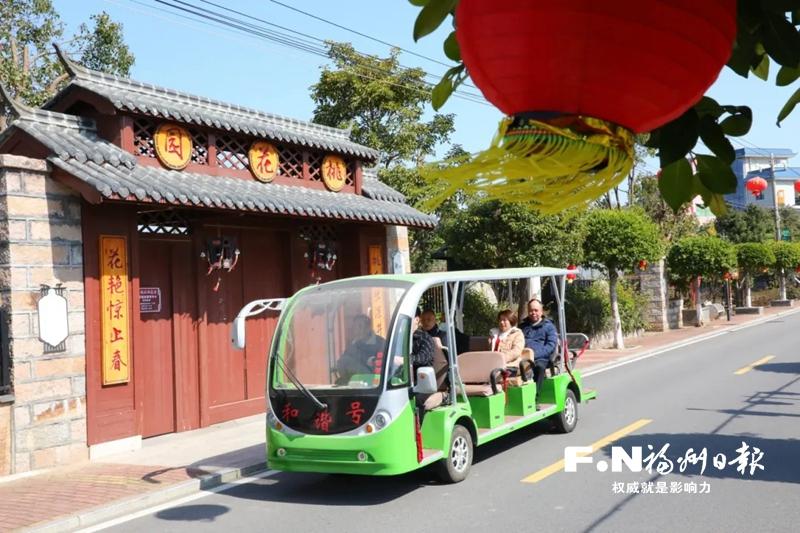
<point x="756" y="185"/>
<point x="797" y="187"/>
<point x="576" y="80"/>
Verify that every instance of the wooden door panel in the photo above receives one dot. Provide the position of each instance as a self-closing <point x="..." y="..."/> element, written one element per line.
<point x="225" y="365"/>
<point x="154" y="346"/>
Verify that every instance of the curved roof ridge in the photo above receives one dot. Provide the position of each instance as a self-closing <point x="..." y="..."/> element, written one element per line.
<point x="78" y="72"/>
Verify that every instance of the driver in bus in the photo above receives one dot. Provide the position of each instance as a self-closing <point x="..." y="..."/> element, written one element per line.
<point x="359" y="357"/>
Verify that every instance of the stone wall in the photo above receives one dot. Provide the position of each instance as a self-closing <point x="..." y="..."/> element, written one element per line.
<point x="397" y="244"/>
<point x="41" y="243"/>
<point x="654" y="286"/>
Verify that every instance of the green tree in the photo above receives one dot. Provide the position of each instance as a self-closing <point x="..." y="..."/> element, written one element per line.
<point x="766" y="32"/>
<point x="491" y="234"/>
<point x="790" y="219"/>
<point x="696" y="257"/>
<point x="29" y="67"/>
<point x="753" y="224"/>
<point x="382" y="102"/>
<point x="753" y="258"/>
<point x="671" y="224"/>
<point x="616" y="240"/>
<point x="787" y="258"/>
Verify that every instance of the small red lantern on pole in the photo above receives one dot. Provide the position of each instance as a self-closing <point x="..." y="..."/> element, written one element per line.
<point x="571" y="277"/>
<point x="643" y="264"/>
<point x="756" y="185"/>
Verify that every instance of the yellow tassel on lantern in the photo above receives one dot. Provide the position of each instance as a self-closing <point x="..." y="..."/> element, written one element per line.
<point x="565" y="162"/>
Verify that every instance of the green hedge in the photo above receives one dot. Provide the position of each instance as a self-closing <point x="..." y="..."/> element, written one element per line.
<point x="588" y="309"/>
<point x="479" y="314"/>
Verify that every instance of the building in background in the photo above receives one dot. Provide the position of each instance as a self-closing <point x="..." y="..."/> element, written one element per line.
<point x="157" y="215"/>
<point x="752" y="162"/>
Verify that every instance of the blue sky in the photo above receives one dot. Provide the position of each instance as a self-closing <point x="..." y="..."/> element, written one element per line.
<point x="189" y="56"/>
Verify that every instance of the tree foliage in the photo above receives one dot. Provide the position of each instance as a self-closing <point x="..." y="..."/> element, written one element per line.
<point x="754" y="257"/>
<point x="29" y="67"/>
<point x="616" y="240"/>
<point x="753" y="224"/>
<point x="787" y="255"/>
<point x="382" y="102"/>
<point x="672" y="225"/>
<point x="790" y="219"/>
<point x="705" y="256"/>
<point x="766" y="33"/>
<point x="491" y="234"/>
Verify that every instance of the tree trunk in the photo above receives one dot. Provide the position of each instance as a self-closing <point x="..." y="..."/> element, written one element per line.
<point x="782" y="275"/>
<point x="748" y="300"/>
<point x="619" y="342"/>
<point x="698" y="304"/>
<point x="616" y="195"/>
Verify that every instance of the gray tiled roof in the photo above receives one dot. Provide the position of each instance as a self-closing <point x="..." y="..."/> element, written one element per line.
<point x="146" y="99"/>
<point x="115" y="174"/>
<point x="376" y="189"/>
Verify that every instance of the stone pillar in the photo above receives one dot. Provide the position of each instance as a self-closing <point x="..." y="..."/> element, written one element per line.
<point x="41" y="243"/>
<point x="654" y="286"/>
<point x="397" y="251"/>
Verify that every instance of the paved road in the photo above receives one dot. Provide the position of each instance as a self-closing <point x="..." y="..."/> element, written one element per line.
<point x="687" y="398"/>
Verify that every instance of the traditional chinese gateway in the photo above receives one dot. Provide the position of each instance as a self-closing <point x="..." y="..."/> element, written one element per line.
<point x="160" y="214"/>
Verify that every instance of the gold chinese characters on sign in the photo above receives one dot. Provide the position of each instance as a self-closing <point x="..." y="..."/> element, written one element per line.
<point x="334" y="172"/>
<point x="263" y="161"/>
<point x="173" y="146"/>
<point x="115" y="326"/>
<point x="377" y="302"/>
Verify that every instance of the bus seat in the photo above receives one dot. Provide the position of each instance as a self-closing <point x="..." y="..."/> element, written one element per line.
<point x="479" y="343"/>
<point x="440" y="367"/>
<point x="481" y="372"/>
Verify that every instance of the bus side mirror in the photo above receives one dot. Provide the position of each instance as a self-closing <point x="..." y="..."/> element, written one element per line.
<point x="237" y="333"/>
<point x="426" y="380"/>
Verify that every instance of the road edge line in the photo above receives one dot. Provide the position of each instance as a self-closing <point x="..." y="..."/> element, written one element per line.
<point x="597" y="369"/>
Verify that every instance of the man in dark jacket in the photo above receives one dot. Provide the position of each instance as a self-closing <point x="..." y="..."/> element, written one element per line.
<point x="359" y="357"/>
<point x="428" y="323"/>
<point x="541" y="337"/>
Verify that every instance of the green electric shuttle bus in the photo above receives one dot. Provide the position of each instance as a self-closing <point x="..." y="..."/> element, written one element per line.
<point x="343" y="396"/>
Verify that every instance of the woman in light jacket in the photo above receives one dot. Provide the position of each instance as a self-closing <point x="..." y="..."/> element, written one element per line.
<point x="507" y="338"/>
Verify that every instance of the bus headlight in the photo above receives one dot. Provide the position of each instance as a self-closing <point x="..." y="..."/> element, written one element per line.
<point x="382" y="419"/>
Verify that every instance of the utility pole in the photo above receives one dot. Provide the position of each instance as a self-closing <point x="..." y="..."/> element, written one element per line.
<point x="775" y="197"/>
<point x="782" y="289"/>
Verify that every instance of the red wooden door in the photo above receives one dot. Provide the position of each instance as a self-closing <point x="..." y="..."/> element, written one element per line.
<point x="234" y="380"/>
<point x="154" y="352"/>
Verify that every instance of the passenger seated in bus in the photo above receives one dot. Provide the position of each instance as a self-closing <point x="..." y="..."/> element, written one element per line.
<point x="430" y="326"/>
<point x="359" y="357"/>
<point x="541" y="338"/>
<point x="508" y="339"/>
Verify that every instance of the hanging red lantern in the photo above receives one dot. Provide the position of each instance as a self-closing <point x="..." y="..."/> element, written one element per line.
<point x="797" y="187"/>
<point x="571" y="277"/>
<point x="576" y="80"/>
<point x="643" y="264"/>
<point x="756" y="185"/>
